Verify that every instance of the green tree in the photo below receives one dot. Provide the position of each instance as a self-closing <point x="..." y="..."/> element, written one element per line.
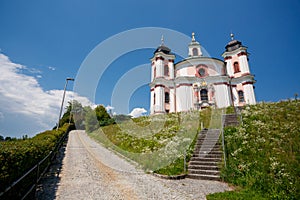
<point x="78" y="114"/>
<point x="103" y="117"/>
<point x="91" y="123"/>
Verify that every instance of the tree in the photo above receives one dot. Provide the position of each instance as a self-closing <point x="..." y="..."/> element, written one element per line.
<point x="122" y="118"/>
<point x="103" y="117"/>
<point x="78" y="114"/>
<point x="91" y="123"/>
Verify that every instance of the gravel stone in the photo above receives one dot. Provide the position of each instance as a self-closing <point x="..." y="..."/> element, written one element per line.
<point x="90" y="171"/>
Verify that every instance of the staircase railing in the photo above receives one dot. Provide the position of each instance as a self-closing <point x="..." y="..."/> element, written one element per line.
<point x="223" y="139"/>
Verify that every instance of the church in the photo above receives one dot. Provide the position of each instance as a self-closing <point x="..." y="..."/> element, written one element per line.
<point x="197" y="82"/>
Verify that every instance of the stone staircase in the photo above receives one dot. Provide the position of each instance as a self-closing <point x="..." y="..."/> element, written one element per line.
<point x="207" y="155"/>
<point x="231" y="120"/>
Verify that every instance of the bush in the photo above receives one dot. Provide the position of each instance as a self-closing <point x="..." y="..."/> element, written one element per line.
<point x="17" y="157"/>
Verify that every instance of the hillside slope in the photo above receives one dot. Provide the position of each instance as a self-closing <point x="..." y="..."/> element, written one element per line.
<point x="263" y="153"/>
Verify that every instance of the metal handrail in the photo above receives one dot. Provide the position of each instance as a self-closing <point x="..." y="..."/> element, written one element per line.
<point x="39" y="175"/>
<point x="223" y="139"/>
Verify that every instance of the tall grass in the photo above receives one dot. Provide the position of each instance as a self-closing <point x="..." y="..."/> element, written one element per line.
<point x="264" y="152"/>
<point x="158" y="143"/>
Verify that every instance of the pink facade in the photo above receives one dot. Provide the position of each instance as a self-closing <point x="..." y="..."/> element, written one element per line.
<point x="198" y="81"/>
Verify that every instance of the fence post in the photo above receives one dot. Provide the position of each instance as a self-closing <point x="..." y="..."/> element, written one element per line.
<point x="223" y="139"/>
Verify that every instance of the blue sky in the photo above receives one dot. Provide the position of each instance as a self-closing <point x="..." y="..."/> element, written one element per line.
<point x="43" y="42"/>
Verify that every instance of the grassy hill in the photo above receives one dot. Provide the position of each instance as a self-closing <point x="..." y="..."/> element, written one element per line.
<point x="158" y="143"/>
<point x="263" y="153"/>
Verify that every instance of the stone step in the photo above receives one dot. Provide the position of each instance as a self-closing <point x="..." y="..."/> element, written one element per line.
<point x="204" y="177"/>
<point x="207" y="143"/>
<point x="207" y="155"/>
<point x="203" y="167"/>
<point x="205" y="152"/>
<point x="206" y="159"/>
<point x="209" y="163"/>
<point x="205" y="172"/>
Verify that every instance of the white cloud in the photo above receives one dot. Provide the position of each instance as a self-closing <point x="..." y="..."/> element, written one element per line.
<point x="137" y="112"/>
<point x="23" y="99"/>
<point x="52" y="68"/>
<point x="39" y="76"/>
<point x="108" y="108"/>
<point x="33" y="70"/>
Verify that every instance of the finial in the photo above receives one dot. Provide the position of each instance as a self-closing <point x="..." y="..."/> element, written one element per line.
<point x="193" y="37"/>
<point x="162" y="40"/>
<point x="232" y="36"/>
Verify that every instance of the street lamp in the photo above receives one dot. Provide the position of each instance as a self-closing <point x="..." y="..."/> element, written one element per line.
<point x="63" y="99"/>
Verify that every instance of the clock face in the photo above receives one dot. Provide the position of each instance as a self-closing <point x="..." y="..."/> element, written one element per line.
<point x="201" y="72"/>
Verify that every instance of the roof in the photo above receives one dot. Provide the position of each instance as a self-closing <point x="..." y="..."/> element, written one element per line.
<point x="233" y="45"/>
<point x="163" y="49"/>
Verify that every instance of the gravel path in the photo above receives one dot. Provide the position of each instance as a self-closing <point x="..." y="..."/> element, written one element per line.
<point x="90" y="171"/>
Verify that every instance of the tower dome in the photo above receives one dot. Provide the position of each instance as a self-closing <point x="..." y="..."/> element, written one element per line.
<point x="233" y="44"/>
<point x="162" y="47"/>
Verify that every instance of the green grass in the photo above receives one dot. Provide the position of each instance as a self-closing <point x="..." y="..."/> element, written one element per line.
<point x="236" y="195"/>
<point x="157" y="143"/>
<point x="263" y="152"/>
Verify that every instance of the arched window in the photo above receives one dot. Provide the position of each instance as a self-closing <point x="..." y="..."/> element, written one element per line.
<point x="241" y="96"/>
<point x="236" y="67"/>
<point x="166" y="70"/>
<point x="154" y="72"/>
<point x="204" y="95"/>
<point x="195" y="52"/>
<point x="154" y="99"/>
<point x="167" y="97"/>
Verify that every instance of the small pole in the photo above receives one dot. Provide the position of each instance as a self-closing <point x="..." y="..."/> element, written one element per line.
<point x="184" y="161"/>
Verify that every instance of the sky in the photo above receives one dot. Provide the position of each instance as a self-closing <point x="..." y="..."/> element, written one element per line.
<point x="44" y="42"/>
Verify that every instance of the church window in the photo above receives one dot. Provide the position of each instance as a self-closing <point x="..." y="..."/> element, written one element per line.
<point x="166" y="70"/>
<point x="201" y="72"/>
<point x="154" y="72"/>
<point x="241" y="96"/>
<point x="204" y="95"/>
<point x="154" y="99"/>
<point x="167" y="97"/>
<point x="195" y="52"/>
<point x="236" y="67"/>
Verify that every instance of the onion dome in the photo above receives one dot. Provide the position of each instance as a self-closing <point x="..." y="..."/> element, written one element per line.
<point x="162" y="47"/>
<point x="233" y="44"/>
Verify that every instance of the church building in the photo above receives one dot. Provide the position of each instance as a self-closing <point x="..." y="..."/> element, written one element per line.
<point x="197" y="81"/>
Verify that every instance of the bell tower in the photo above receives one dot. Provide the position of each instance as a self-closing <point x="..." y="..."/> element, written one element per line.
<point x="240" y="80"/>
<point x="194" y="47"/>
<point x="162" y="95"/>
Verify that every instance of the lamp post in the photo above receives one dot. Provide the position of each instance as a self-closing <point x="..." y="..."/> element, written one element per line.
<point x="63" y="99"/>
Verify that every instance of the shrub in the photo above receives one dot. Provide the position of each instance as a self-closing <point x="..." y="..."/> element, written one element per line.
<point x="17" y="157"/>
